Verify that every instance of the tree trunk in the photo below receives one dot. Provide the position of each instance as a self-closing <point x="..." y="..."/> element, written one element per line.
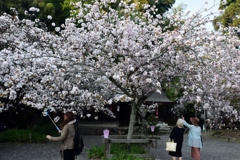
<point x="132" y="120"/>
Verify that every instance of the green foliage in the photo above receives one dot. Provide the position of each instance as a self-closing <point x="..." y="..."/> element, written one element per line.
<point x="152" y="120"/>
<point x="19" y="5"/>
<point x="45" y="126"/>
<point x="164" y="5"/>
<point x="22" y="135"/>
<point x="47" y="7"/>
<point x="231" y="11"/>
<point x="22" y="117"/>
<point x="62" y="9"/>
<point x="67" y="4"/>
<point x="173" y="89"/>
<point x="124" y="148"/>
<point x="161" y="5"/>
<point x="36" y="134"/>
<point x="120" y="151"/>
<point x="95" y="152"/>
<point x="188" y="110"/>
<point x="235" y="101"/>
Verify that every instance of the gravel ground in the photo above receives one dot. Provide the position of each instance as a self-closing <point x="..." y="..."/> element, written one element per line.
<point x="213" y="149"/>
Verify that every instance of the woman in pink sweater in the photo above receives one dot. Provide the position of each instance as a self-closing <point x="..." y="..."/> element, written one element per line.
<point x="194" y="137"/>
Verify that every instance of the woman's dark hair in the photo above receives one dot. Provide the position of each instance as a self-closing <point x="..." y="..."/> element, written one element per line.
<point x="69" y="118"/>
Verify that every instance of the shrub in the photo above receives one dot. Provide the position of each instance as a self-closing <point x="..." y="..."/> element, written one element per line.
<point x="120" y="151"/>
<point x="95" y="152"/>
<point x="134" y="148"/>
<point x="21" y="135"/>
<point x="46" y="129"/>
<point x="35" y="134"/>
<point x="152" y="120"/>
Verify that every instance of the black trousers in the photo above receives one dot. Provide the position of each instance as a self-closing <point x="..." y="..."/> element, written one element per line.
<point x="68" y="154"/>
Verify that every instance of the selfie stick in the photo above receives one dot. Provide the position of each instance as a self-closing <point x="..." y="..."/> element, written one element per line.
<point x="46" y="114"/>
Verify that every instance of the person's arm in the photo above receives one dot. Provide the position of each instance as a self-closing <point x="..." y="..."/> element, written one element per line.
<point x="186" y="124"/>
<point x="63" y="135"/>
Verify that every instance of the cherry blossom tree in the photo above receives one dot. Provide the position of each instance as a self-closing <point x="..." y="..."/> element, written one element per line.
<point x="219" y="57"/>
<point x="98" y="58"/>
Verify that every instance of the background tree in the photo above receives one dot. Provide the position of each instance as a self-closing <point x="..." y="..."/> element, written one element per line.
<point x="20" y="5"/>
<point x="229" y="16"/>
<point x="62" y="9"/>
<point x="56" y="8"/>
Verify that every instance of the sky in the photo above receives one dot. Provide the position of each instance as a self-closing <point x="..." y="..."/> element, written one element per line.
<point x="196" y="5"/>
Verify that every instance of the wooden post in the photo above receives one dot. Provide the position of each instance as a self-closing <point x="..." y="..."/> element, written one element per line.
<point x="105" y="148"/>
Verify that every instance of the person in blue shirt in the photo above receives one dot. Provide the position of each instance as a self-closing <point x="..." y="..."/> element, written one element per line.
<point x="194" y="137"/>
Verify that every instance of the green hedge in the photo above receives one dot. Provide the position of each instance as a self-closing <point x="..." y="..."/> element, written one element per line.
<point x="20" y="135"/>
<point x="35" y="134"/>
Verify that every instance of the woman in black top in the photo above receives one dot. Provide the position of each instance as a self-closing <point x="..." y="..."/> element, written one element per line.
<point x="177" y="135"/>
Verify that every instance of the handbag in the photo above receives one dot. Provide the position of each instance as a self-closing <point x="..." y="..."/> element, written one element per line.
<point x="171" y="146"/>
